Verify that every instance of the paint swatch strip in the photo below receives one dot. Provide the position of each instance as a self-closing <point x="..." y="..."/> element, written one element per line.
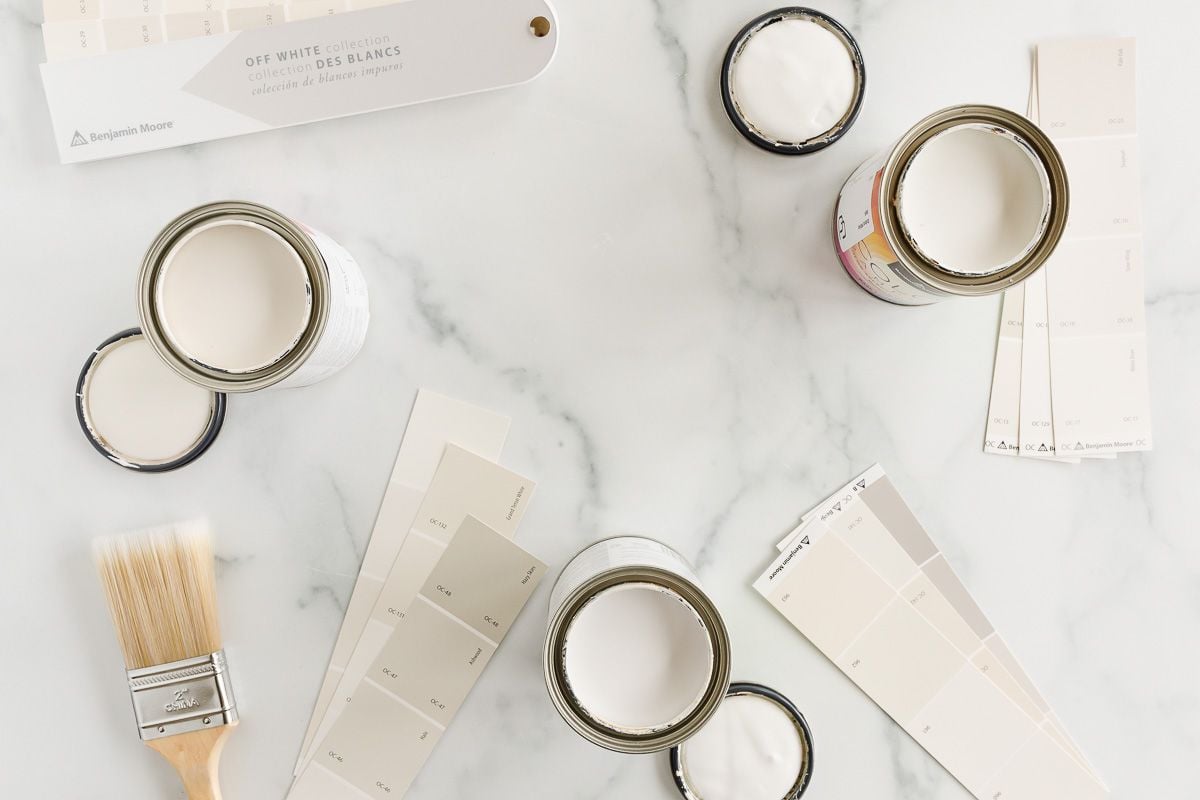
<point x="80" y="28"/>
<point x="464" y="485"/>
<point x="1082" y="386"/>
<point x="864" y="582"/>
<point x="1097" y="336"/>
<point x="425" y="670"/>
<point x="930" y="585"/>
<point x="1020" y="407"/>
<point x="435" y="421"/>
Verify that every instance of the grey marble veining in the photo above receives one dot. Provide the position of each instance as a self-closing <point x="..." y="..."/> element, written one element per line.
<point x="657" y="306"/>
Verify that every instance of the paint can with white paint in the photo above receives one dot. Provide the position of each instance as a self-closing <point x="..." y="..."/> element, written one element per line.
<point x="139" y="413"/>
<point x="793" y="81"/>
<point x="971" y="201"/>
<point x="236" y="297"/>
<point x="637" y="657"/>
<point x="758" y="746"/>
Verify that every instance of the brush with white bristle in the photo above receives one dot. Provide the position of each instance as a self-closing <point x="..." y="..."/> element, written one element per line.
<point x="161" y="592"/>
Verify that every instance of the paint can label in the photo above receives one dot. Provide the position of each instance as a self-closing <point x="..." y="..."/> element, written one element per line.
<point x="349" y="315"/>
<point x="862" y="246"/>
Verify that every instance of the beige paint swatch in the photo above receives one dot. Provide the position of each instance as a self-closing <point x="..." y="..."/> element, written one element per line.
<point x="435" y="421"/>
<point x="465" y="486"/>
<point x="425" y="669"/>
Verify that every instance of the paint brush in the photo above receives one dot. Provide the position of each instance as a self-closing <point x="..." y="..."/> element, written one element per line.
<point x="161" y="592"/>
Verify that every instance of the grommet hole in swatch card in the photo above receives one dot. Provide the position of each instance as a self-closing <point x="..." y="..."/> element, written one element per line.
<point x="170" y="93"/>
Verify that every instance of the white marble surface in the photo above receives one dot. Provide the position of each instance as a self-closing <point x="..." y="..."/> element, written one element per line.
<point x="657" y="306"/>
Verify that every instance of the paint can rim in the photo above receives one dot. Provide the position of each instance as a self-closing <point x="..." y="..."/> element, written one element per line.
<point x="210" y="377"/>
<point x="96" y="439"/>
<point x="817" y="143"/>
<point x="803" y="780"/>
<point x="557" y="685"/>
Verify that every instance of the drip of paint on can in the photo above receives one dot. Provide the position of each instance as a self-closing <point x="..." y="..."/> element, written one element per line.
<point x="637" y="658"/>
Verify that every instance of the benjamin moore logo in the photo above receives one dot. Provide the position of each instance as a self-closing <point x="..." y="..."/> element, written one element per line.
<point x="112" y="134"/>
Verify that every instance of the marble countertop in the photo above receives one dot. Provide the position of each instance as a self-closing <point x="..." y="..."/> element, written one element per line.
<point x="658" y="307"/>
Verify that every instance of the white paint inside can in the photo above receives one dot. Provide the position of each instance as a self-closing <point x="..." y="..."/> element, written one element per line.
<point x="793" y="80"/>
<point x="139" y="408"/>
<point x="637" y="658"/>
<point x="974" y="200"/>
<point x="233" y="295"/>
<point x="751" y="749"/>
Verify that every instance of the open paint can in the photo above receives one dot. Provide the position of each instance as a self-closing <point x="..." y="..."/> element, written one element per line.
<point x="236" y="297"/>
<point x="637" y="656"/>
<point x="757" y="746"/>
<point x="140" y="414"/>
<point x="970" y="201"/>
<point x="793" y="81"/>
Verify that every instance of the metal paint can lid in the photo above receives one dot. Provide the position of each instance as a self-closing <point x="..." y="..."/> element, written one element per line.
<point x="746" y="127"/>
<point x="679" y="756"/>
<point x="139" y="413"/>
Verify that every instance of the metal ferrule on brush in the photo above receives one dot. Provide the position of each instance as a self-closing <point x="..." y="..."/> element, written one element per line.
<point x="182" y="696"/>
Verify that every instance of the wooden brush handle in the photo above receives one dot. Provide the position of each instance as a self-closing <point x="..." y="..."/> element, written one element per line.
<point x="194" y="756"/>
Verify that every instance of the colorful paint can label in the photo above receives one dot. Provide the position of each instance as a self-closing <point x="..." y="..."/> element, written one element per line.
<point x="876" y="245"/>
<point x="862" y="246"/>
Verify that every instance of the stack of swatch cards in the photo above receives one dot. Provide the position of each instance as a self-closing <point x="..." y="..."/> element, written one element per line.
<point x="440" y="586"/>
<point x="864" y="582"/>
<point x="77" y="28"/>
<point x="1070" y="378"/>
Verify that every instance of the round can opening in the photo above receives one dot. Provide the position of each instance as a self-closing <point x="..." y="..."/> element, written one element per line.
<point x="974" y="199"/>
<point x="757" y="746"/>
<point x="139" y="413"/>
<point x="793" y="81"/>
<point x="233" y="296"/>
<point x="637" y="658"/>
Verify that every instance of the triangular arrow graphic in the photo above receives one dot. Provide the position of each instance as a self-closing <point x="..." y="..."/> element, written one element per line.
<point x="78" y="139"/>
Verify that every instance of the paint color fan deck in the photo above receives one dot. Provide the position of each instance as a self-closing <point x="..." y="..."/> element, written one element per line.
<point x="864" y="582"/>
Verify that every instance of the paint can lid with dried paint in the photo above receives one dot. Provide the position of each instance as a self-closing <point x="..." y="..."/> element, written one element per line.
<point x="793" y="81"/>
<point x="139" y="413"/>
<point x="757" y="746"/>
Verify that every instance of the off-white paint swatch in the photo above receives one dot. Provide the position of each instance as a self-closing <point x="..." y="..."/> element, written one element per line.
<point x="864" y="582"/>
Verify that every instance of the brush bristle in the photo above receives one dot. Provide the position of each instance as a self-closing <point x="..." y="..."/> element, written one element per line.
<point x="161" y="592"/>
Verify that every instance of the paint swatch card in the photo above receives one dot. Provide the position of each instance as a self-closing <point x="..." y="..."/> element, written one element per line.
<point x="1095" y="279"/>
<point x="435" y="421"/>
<point x="867" y="585"/>
<point x="465" y="486"/>
<point x="426" y="669"/>
<point x="1035" y="424"/>
<point x="1004" y="403"/>
<point x="1083" y="380"/>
